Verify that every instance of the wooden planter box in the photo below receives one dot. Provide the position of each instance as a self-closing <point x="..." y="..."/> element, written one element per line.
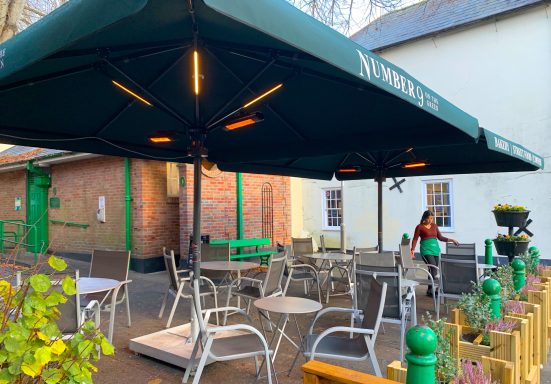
<point x="511" y="218"/>
<point x="532" y="313"/>
<point x="540" y="297"/>
<point x="316" y="372"/>
<point x="501" y="371"/>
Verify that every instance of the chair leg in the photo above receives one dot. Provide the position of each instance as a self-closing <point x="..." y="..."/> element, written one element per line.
<point x="176" y="300"/>
<point x="127" y="299"/>
<point x="227" y="305"/>
<point x="191" y="360"/>
<point x="165" y="299"/>
<point x="319" y="290"/>
<point x="203" y="361"/>
<point x="402" y="335"/>
<point x="216" y="306"/>
<point x="373" y="358"/>
<point x="438" y="307"/>
<point x="329" y="286"/>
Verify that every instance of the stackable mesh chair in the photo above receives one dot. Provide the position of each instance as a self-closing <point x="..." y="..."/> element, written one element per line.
<point x="246" y="342"/>
<point x="456" y="277"/>
<point x="111" y="265"/>
<point x="418" y="272"/>
<point x="461" y="251"/>
<point x="361" y="344"/>
<point x="337" y="274"/>
<point x="301" y="268"/>
<point x="251" y="289"/>
<point x="397" y="306"/>
<point x="71" y="315"/>
<point x="216" y="252"/>
<point x="179" y="286"/>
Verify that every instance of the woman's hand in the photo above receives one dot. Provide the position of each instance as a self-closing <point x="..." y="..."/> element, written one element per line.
<point x="412" y="254"/>
<point x="455" y="242"/>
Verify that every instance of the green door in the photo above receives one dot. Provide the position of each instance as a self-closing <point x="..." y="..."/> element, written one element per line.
<point x="37" y="209"/>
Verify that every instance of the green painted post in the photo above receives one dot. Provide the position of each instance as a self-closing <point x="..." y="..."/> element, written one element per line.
<point x="519" y="273"/>
<point x="2" y="236"/>
<point x="533" y="249"/>
<point x="421" y="341"/>
<point x="488" y="257"/>
<point x="491" y="288"/>
<point x="239" y="186"/>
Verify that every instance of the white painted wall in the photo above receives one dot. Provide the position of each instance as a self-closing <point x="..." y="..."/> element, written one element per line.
<point x="499" y="72"/>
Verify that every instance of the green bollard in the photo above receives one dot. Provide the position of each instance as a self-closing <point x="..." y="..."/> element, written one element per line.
<point x="519" y="273"/>
<point x="421" y="341"/>
<point x="491" y="288"/>
<point x="488" y="257"/>
<point x="533" y="249"/>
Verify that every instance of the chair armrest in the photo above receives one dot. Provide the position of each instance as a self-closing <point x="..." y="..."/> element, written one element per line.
<point x="331" y="330"/>
<point x="331" y="310"/>
<point x="239" y="327"/>
<point x="302" y="266"/>
<point x="210" y="311"/>
<point x="252" y="280"/>
<point x="338" y="267"/>
<point x="91" y="305"/>
<point x="183" y="270"/>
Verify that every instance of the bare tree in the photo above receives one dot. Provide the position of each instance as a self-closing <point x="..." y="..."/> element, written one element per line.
<point x="344" y="15"/>
<point x="16" y="15"/>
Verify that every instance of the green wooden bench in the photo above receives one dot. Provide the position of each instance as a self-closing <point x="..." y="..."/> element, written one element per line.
<point x="246" y="243"/>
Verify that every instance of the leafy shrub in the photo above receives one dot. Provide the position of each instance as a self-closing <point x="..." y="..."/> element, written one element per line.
<point x="446" y="363"/>
<point x="504" y="274"/>
<point x="476" y="307"/>
<point x="32" y="349"/>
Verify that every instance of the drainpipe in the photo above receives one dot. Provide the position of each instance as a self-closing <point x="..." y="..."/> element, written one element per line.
<point x="239" y="213"/>
<point x="128" y="204"/>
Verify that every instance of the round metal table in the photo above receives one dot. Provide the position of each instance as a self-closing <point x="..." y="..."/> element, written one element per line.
<point x="228" y="265"/>
<point x="336" y="256"/>
<point x="285" y="305"/>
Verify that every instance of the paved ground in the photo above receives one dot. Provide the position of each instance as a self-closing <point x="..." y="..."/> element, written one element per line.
<point x="146" y="293"/>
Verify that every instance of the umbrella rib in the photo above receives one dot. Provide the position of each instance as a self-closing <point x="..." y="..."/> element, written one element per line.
<point x="246" y="86"/>
<point x="41" y="79"/>
<point x="234" y="75"/>
<point x="341" y="163"/>
<point x="130" y="103"/>
<point x="368" y="158"/>
<point x="152" y="49"/>
<point x="162" y="106"/>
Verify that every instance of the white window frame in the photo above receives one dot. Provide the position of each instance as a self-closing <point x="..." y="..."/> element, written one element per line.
<point x="324" y="225"/>
<point x="452" y="211"/>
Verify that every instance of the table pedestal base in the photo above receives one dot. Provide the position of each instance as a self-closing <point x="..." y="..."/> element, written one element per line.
<point x="170" y="345"/>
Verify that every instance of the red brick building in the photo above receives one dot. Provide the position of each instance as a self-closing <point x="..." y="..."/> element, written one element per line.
<point x="161" y="201"/>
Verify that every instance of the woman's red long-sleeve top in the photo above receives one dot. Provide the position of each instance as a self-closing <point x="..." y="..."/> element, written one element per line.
<point x="427" y="233"/>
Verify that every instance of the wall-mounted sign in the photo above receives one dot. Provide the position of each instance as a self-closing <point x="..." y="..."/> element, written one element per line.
<point x="18" y="203"/>
<point x="55" y="202"/>
<point x="182" y="181"/>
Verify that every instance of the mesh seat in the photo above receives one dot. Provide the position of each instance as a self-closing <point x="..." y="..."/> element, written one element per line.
<point x="456" y="277"/>
<point x="216" y="252"/>
<point x="461" y="251"/>
<point x="301" y="268"/>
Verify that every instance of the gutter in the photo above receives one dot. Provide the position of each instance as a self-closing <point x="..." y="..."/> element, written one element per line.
<point x="46" y="161"/>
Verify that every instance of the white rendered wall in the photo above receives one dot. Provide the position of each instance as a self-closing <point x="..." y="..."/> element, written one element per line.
<point x="499" y="72"/>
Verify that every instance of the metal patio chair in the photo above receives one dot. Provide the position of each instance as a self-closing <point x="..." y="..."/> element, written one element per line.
<point x="465" y="251"/>
<point x="457" y="276"/>
<point x="179" y="286"/>
<point x="398" y="305"/>
<point x="249" y="342"/>
<point x="216" y="252"/>
<point x="361" y="345"/>
<point x="251" y="289"/>
<point x="301" y="268"/>
<point x="418" y="272"/>
<point x="111" y="265"/>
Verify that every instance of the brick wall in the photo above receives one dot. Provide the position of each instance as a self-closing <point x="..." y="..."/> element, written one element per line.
<point x="12" y="185"/>
<point x="219" y="206"/>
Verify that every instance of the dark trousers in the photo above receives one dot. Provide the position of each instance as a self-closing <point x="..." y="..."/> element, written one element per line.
<point x="431" y="261"/>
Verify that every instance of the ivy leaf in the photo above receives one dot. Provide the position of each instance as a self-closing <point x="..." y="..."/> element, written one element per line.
<point x="31" y="369"/>
<point x="52" y="376"/>
<point x="3" y="356"/>
<point x="14" y="343"/>
<point x="6" y="377"/>
<point x="50" y="329"/>
<point x="55" y="298"/>
<point x="85" y="347"/>
<point x="106" y="347"/>
<point x="40" y="282"/>
<point x="36" y="301"/>
<point x="69" y="286"/>
<point x="43" y="355"/>
<point x="57" y="263"/>
<point x="58" y="347"/>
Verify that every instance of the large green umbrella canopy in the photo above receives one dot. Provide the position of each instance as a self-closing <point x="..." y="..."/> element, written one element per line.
<point x="105" y="76"/>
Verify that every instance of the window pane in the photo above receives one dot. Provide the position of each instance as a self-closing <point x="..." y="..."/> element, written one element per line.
<point x="445" y="187"/>
<point x="429" y="188"/>
<point x="447" y="221"/>
<point x="439" y="221"/>
<point x="446" y="198"/>
<point x="437" y="188"/>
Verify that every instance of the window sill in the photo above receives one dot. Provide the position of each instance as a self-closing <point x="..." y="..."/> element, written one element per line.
<point x="446" y="230"/>
<point x="333" y="229"/>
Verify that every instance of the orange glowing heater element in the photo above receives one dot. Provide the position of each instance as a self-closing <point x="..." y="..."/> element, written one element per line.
<point x="196" y="71"/>
<point x="244" y="121"/>
<point x="160" y="139"/>
<point x="418" y="164"/>
<point x="349" y="170"/>
<point x="263" y="95"/>
<point x="135" y="95"/>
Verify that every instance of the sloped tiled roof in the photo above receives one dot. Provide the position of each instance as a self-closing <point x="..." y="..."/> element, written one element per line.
<point x="432" y="16"/>
<point x="19" y="153"/>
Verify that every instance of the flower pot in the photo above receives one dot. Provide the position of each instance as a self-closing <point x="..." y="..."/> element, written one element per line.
<point x="511" y="248"/>
<point x="511" y="218"/>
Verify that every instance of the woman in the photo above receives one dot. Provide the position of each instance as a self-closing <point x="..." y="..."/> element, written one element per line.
<point x="429" y="233"/>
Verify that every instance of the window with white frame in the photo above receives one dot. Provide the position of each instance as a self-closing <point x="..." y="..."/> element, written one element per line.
<point x="332" y="208"/>
<point x="438" y="198"/>
<point x="172" y="180"/>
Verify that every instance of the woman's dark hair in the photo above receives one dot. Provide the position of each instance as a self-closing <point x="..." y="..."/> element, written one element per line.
<point x="426" y="215"/>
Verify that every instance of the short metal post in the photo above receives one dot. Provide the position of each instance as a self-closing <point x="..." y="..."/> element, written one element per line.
<point x="519" y="273"/>
<point x="488" y="257"/>
<point x="2" y="236"/>
<point x="491" y="288"/>
<point x="421" y="341"/>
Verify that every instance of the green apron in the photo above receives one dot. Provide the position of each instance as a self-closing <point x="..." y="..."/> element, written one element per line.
<point x="430" y="247"/>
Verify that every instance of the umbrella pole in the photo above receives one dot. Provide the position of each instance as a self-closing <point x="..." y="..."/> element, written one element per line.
<point x="196" y="241"/>
<point x="380" y="213"/>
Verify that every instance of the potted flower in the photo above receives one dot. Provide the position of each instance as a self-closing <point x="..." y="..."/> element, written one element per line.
<point x="508" y="215"/>
<point x="511" y="246"/>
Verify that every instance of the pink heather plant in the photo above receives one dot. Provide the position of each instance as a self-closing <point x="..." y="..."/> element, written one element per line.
<point x="529" y="283"/>
<point x="514" y="306"/>
<point x="539" y="269"/>
<point x="500" y="325"/>
<point x="472" y="373"/>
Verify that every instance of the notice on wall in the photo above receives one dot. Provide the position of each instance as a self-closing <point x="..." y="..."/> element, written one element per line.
<point x="18" y="203"/>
